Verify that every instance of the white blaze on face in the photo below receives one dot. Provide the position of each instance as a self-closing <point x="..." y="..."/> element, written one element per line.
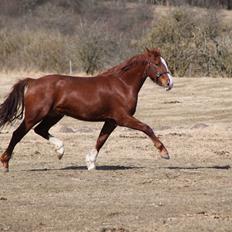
<point x="169" y="74"/>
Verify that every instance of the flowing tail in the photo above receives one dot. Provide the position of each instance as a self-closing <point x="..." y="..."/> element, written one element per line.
<point x="13" y="106"/>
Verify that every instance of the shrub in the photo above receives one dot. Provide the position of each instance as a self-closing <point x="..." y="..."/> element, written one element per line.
<point x="32" y="51"/>
<point x="45" y="35"/>
<point x="193" y="44"/>
<point x="48" y="33"/>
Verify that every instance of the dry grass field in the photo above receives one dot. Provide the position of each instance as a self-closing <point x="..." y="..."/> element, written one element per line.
<point x="133" y="189"/>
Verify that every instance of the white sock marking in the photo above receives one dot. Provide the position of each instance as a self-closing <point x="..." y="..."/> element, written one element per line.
<point x="91" y="158"/>
<point x="58" y="144"/>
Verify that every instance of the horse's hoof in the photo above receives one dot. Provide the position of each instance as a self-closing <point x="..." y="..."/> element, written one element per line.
<point x="91" y="166"/>
<point x="60" y="156"/>
<point x="165" y="156"/>
<point x="5" y="165"/>
<point x="91" y="159"/>
<point x="5" y="170"/>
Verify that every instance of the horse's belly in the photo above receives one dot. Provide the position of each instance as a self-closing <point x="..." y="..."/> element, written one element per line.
<point x="84" y="110"/>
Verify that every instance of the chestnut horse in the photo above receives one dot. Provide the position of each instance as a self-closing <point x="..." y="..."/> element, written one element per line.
<point x="110" y="97"/>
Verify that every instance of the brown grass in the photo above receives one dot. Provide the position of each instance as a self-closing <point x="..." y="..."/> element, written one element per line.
<point x="133" y="189"/>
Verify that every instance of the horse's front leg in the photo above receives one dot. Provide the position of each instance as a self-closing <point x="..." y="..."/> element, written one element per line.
<point x="133" y="123"/>
<point x="106" y="130"/>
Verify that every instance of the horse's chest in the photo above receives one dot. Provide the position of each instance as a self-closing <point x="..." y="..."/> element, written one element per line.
<point x="130" y="104"/>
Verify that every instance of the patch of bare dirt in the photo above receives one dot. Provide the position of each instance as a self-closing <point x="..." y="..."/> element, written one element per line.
<point x="133" y="189"/>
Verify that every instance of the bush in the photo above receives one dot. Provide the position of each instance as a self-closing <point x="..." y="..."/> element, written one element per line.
<point x="95" y="47"/>
<point x="193" y="44"/>
<point x="92" y="34"/>
<point x="39" y="51"/>
<point x="44" y="35"/>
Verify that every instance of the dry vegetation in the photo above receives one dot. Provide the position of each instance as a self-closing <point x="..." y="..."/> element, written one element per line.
<point x="195" y="42"/>
<point x="92" y="34"/>
<point x="133" y="188"/>
<point x="44" y="35"/>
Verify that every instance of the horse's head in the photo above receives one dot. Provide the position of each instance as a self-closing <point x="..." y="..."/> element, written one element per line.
<point x="157" y="69"/>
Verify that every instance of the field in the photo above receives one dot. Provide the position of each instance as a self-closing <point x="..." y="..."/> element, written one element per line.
<point x="133" y="189"/>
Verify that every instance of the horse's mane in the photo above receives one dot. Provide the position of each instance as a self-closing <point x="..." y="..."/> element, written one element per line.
<point x="126" y="65"/>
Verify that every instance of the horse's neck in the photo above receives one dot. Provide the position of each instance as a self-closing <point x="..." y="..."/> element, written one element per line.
<point x="134" y="78"/>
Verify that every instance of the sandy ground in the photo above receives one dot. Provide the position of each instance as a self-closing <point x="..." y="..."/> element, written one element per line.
<point x="133" y="189"/>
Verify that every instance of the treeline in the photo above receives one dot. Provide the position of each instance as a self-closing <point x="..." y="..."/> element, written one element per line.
<point x="46" y="35"/>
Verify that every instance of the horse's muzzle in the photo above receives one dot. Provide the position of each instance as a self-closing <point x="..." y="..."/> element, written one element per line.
<point x="170" y="83"/>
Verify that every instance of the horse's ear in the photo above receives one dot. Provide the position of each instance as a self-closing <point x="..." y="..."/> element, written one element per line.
<point x="148" y="50"/>
<point x="156" y="52"/>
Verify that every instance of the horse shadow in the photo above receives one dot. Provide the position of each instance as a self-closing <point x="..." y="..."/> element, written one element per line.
<point x="125" y="168"/>
<point x="84" y="168"/>
<point x="219" y="167"/>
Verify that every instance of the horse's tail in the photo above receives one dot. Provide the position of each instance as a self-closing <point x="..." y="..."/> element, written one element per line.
<point x="13" y="106"/>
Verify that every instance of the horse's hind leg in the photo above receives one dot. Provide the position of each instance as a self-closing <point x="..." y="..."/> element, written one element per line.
<point x="17" y="135"/>
<point x="106" y="130"/>
<point x="43" y="128"/>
